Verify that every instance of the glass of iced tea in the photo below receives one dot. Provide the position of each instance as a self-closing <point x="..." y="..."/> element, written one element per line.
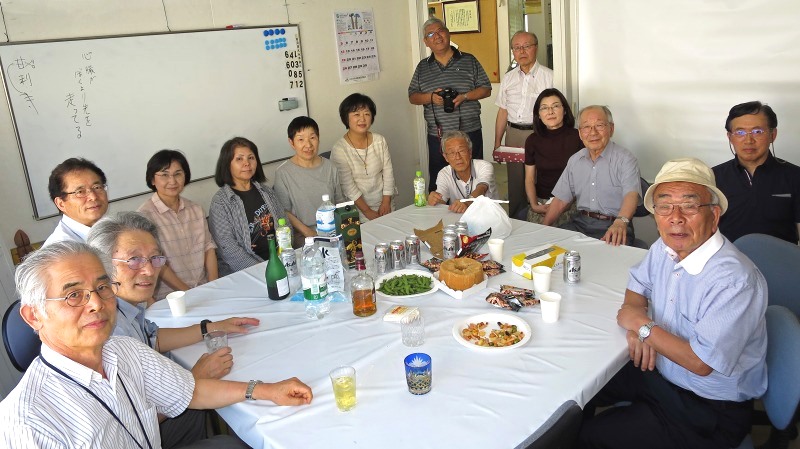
<point x="343" y="379"/>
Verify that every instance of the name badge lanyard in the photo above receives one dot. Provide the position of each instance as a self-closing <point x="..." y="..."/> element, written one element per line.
<point x="467" y="186"/>
<point x="135" y="412"/>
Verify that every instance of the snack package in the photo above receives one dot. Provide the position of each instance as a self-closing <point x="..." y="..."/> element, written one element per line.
<point x="471" y="244"/>
<point x="332" y="250"/>
<point x="397" y="313"/>
<point x="512" y="298"/>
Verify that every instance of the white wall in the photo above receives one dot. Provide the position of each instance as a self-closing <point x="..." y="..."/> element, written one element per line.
<point x="57" y="19"/>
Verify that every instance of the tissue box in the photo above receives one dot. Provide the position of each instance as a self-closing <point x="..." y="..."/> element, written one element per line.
<point x="548" y="255"/>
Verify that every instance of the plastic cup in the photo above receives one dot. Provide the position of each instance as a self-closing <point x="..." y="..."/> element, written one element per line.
<point x="418" y="373"/>
<point x="496" y="249"/>
<point x="177" y="303"/>
<point x="541" y="278"/>
<point x="216" y="340"/>
<point x="343" y="380"/>
<point x="551" y="305"/>
<point x="412" y="330"/>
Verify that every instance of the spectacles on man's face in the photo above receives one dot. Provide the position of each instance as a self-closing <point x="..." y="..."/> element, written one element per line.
<point x="459" y="153"/>
<point x="441" y="31"/>
<point x="519" y="48"/>
<point x="97" y="189"/>
<point x="554" y="107"/>
<point x="137" y="263"/>
<point x="665" y="209"/>
<point x="757" y="133"/>
<point x="599" y="127"/>
<point x="79" y="297"/>
<point x="164" y="176"/>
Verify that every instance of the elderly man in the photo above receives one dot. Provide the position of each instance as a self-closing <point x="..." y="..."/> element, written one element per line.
<point x="603" y="178"/>
<point x="694" y="320"/>
<point x="136" y="260"/>
<point x="764" y="191"/>
<point x="447" y="67"/>
<point x="464" y="177"/>
<point x="79" y="190"/>
<point x="518" y="92"/>
<point x="88" y="389"/>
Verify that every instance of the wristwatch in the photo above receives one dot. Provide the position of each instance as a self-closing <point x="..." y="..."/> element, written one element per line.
<point x="250" y="387"/>
<point x="204" y="327"/>
<point x="645" y="330"/>
<point x="625" y="220"/>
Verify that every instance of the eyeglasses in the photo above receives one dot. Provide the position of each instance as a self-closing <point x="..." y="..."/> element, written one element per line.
<point x="600" y="127"/>
<point x="435" y="32"/>
<point x="554" y="107"/>
<point x="686" y="208"/>
<point x="83" y="193"/>
<point x="178" y="175"/>
<point x="520" y="48"/>
<point x="460" y="153"/>
<point x="137" y="263"/>
<point x="77" y="298"/>
<point x="755" y="132"/>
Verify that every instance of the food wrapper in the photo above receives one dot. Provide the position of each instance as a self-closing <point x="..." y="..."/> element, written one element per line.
<point x="397" y="313"/>
<point x="512" y="298"/>
<point x="471" y="244"/>
<point x="432" y="238"/>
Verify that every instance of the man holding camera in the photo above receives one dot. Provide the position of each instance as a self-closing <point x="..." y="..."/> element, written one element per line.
<point x="448" y="84"/>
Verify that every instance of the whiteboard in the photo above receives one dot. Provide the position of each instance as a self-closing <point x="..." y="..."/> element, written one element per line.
<point x="671" y="71"/>
<point x="118" y="100"/>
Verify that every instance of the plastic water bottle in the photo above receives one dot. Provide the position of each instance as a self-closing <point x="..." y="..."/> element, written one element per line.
<point x="283" y="234"/>
<point x="419" y="190"/>
<point x="315" y="282"/>
<point x="326" y="220"/>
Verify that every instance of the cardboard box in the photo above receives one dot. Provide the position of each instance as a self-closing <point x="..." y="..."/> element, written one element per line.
<point x="548" y="255"/>
<point x="348" y="225"/>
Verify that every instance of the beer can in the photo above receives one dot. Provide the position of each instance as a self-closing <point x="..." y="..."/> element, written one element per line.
<point x="450" y="228"/>
<point x="412" y="249"/>
<point x="449" y="245"/>
<point x="381" y="258"/>
<point x="397" y="256"/>
<point x="462" y="228"/>
<point x="572" y="267"/>
<point x="289" y="260"/>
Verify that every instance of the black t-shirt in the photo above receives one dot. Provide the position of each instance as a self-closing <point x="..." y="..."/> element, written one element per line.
<point x="766" y="203"/>
<point x="259" y="219"/>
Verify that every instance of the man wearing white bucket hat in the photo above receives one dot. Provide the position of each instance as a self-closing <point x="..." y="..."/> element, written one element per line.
<point x="694" y="316"/>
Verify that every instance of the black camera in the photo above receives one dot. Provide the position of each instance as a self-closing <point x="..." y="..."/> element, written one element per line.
<point x="448" y="95"/>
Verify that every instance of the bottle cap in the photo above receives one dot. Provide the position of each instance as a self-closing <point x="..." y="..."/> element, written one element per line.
<point x="326" y="197"/>
<point x="281" y="222"/>
<point x="419" y="174"/>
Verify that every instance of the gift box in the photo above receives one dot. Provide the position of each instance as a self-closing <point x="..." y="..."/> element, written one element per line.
<point x="546" y="255"/>
<point x="348" y="225"/>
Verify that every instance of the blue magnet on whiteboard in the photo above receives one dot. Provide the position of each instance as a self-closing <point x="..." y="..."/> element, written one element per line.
<point x="266" y="32"/>
<point x="287" y="104"/>
<point x="282" y="31"/>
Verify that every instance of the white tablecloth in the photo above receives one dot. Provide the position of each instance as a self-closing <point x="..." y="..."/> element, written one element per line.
<point x="478" y="400"/>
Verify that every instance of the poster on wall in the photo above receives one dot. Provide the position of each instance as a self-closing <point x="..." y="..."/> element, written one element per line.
<point x="356" y="45"/>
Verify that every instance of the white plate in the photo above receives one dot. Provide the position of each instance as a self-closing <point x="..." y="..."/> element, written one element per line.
<point x="394" y="274"/>
<point x="492" y="319"/>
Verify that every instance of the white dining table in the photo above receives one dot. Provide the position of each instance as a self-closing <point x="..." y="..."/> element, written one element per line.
<point x="478" y="400"/>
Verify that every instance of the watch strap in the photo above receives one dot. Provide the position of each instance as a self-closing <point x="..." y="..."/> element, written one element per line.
<point x="204" y="327"/>
<point x="625" y="220"/>
<point x="251" y="386"/>
<point x="647" y="328"/>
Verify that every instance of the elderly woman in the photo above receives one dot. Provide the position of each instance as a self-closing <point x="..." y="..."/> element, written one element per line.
<point x="363" y="160"/>
<point x="181" y="223"/>
<point x="243" y="211"/>
<point x="547" y="151"/>
<point x="301" y="181"/>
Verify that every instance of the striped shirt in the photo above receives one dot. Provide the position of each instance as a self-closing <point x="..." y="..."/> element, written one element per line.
<point x="715" y="299"/>
<point x="462" y="73"/>
<point x="47" y="410"/>
<point x="184" y="238"/>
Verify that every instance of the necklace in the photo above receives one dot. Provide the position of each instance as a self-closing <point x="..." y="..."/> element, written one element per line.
<point x="366" y="150"/>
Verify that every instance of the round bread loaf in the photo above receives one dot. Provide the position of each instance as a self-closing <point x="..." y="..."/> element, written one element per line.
<point x="461" y="273"/>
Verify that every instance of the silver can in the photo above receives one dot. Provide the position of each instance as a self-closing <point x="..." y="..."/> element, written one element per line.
<point x="572" y="267"/>
<point x="450" y="228"/>
<point x="449" y="245"/>
<point x="381" y="258"/>
<point x="462" y="228"/>
<point x="289" y="260"/>
<point x="412" y="249"/>
<point x="397" y="256"/>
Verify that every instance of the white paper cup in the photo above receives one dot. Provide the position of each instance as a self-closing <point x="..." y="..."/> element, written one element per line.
<point x="541" y="278"/>
<point x="551" y="305"/>
<point x="496" y="249"/>
<point x="177" y="303"/>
